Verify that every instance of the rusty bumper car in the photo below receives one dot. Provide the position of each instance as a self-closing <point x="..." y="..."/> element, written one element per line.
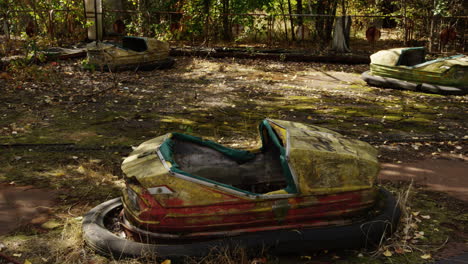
<point x="133" y="53"/>
<point x="406" y="68"/>
<point x="305" y="188"/>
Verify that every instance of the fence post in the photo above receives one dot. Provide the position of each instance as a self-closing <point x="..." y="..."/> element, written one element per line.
<point x="6" y="28"/>
<point x="51" y="24"/>
<point x="148" y="28"/>
<point x="431" y="34"/>
<point x="270" y="28"/>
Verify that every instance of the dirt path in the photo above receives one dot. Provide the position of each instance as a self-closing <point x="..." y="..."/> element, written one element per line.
<point x="23" y="205"/>
<point x="449" y="176"/>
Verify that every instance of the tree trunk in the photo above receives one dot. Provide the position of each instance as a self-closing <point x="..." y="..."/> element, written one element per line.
<point x="284" y="19"/>
<point x="341" y="34"/>
<point x="206" y="26"/>
<point x="300" y="20"/>
<point x="324" y="24"/>
<point x="226" y="29"/>
<point x="291" y="20"/>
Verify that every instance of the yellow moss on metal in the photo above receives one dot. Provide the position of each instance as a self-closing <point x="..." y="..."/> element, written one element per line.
<point x="323" y="162"/>
<point x="326" y="162"/>
<point x="108" y="54"/>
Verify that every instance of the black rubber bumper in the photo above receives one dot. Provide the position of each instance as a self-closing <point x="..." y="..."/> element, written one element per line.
<point x="393" y="83"/>
<point x="359" y="235"/>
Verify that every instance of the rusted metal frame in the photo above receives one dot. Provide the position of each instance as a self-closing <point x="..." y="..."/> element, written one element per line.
<point x="297" y="215"/>
<point x="138" y="11"/>
<point x="38" y="11"/>
<point x="270" y="28"/>
<point x="154" y="236"/>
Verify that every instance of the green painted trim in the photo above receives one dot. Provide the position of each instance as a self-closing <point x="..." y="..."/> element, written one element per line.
<point x="166" y="149"/>
<point x="436" y="60"/>
<point x="402" y="54"/>
<point x="291" y="188"/>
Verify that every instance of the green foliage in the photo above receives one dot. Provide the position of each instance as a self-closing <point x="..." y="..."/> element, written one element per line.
<point x="214" y="20"/>
<point x="65" y="20"/>
<point x="87" y="66"/>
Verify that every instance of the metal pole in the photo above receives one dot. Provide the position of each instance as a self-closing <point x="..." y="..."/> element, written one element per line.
<point x="96" y="22"/>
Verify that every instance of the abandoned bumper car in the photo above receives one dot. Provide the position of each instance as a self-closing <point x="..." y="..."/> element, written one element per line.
<point x="133" y="53"/>
<point x="305" y="188"/>
<point x="406" y="68"/>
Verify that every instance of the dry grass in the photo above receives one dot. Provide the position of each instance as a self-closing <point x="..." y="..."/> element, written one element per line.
<point x="408" y="236"/>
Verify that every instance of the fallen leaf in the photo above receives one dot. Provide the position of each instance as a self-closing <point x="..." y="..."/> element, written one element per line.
<point x="81" y="170"/>
<point x="167" y="261"/>
<point x="399" y="250"/>
<point x="426" y="256"/>
<point x="27" y="262"/>
<point x="51" y="224"/>
<point x="387" y="253"/>
<point x="426" y="216"/>
<point x="259" y="261"/>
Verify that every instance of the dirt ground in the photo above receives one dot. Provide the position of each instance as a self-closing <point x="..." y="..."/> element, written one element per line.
<point x="23" y="205"/>
<point x="448" y="176"/>
<point x="64" y="130"/>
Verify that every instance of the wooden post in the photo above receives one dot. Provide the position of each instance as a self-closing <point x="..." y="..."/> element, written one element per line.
<point x="405" y="40"/>
<point x="96" y="22"/>
<point x="6" y="28"/>
<point x="431" y="35"/>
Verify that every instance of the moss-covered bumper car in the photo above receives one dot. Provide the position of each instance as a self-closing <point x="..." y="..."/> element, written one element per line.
<point x="406" y="68"/>
<point x="305" y="188"/>
<point x="133" y="53"/>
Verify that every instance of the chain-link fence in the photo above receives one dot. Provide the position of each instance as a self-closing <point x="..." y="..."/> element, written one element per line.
<point x="439" y="34"/>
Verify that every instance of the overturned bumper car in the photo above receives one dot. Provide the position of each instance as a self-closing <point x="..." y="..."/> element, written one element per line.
<point x="133" y="53"/>
<point x="406" y="68"/>
<point x="306" y="188"/>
